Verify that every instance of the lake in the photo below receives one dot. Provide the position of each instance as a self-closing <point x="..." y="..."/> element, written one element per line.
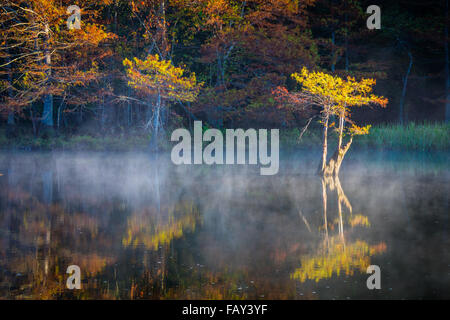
<point x="140" y="227"/>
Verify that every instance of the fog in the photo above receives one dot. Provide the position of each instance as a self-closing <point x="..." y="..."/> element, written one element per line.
<point x="135" y="221"/>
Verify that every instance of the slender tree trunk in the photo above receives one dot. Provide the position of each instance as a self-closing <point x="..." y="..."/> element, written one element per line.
<point x="346" y="42"/>
<point x="11" y="124"/>
<point x="342" y="154"/>
<point x="333" y="42"/>
<point x="334" y="164"/>
<point x="165" y="41"/>
<point x="47" y="117"/>
<point x="333" y="37"/>
<point x="103" y="114"/>
<point x="447" y="67"/>
<point x="341" y="128"/>
<point x="58" y="119"/>
<point x="60" y="108"/>
<point x="156" y="120"/>
<point x="324" y="144"/>
<point x="129" y="110"/>
<point x="11" y="121"/>
<point x="405" y="84"/>
<point x="156" y="124"/>
<point x="219" y="69"/>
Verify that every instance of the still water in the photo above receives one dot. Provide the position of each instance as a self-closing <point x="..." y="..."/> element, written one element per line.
<point x="141" y="228"/>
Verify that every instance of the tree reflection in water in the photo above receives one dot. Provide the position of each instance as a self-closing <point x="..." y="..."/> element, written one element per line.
<point x="44" y="229"/>
<point x="142" y="229"/>
<point x="334" y="255"/>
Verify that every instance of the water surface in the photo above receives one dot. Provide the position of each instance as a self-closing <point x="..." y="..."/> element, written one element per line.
<point x="141" y="228"/>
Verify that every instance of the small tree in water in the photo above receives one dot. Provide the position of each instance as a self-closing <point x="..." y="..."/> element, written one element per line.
<point x="334" y="96"/>
<point x="155" y="77"/>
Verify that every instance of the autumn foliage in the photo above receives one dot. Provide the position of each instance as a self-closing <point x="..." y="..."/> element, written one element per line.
<point x="155" y="76"/>
<point x="333" y="96"/>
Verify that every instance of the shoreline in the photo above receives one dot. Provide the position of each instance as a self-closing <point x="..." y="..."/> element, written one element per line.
<point x="411" y="137"/>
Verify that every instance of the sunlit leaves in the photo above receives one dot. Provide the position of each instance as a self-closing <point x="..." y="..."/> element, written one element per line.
<point x="42" y="55"/>
<point x="156" y="76"/>
<point x="335" y="95"/>
<point x="337" y="91"/>
<point x="356" y="130"/>
<point x="338" y="259"/>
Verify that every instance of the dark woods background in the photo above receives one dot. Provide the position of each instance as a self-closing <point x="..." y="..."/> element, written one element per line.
<point x="75" y="82"/>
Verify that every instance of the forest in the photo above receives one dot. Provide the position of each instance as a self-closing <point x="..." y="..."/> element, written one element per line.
<point x="98" y="199"/>
<point x="122" y="74"/>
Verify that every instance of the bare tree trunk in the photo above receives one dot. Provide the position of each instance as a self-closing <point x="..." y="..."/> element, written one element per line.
<point x="324" y="144"/>
<point x="129" y="110"/>
<point x="405" y="84"/>
<point x="447" y="68"/>
<point x="165" y="41"/>
<point x="58" y="119"/>
<point x="333" y="42"/>
<point x="333" y="37"/>
<point x="11" y="124"/>
<point x="341" y="128"/>
<point x="103" y="114"/>
<point x="156" y="124"/>
<point x="11" y="121"/>
<point x="346" y="42"/>
<point x="47" y="117"/>
<point x="219" y="69"/>
<point x="34" y="120"/>
<point x="334" y="165"/>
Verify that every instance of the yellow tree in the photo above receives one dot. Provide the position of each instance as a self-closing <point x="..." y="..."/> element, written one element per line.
<point x="160" y="78"/>
<point x="334" y="96"/>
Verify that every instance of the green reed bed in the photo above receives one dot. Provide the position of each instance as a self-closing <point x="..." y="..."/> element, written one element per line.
<point x="412" y="136"/>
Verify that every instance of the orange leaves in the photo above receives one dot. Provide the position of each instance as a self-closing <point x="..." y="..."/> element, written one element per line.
<point x="282" y="95"/>
<point x="381" y="101"/>
<point x="153" y="75"/>
<point x="48" y="57"/>
<point x="355" y="130"/>
<point x="93" y="34"/>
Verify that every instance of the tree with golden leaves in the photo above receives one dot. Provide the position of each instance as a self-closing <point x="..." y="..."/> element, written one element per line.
<point x="334" y="96"/>
<point x="156" y="77"/>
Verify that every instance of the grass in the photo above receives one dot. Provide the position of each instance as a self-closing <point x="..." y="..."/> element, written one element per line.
<point x="422" y="137"/>
<point x="417" y="137"/>
<point x="82" y="142"/>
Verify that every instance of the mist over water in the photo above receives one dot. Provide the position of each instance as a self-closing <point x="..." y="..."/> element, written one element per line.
<point x="140" y="227"/>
